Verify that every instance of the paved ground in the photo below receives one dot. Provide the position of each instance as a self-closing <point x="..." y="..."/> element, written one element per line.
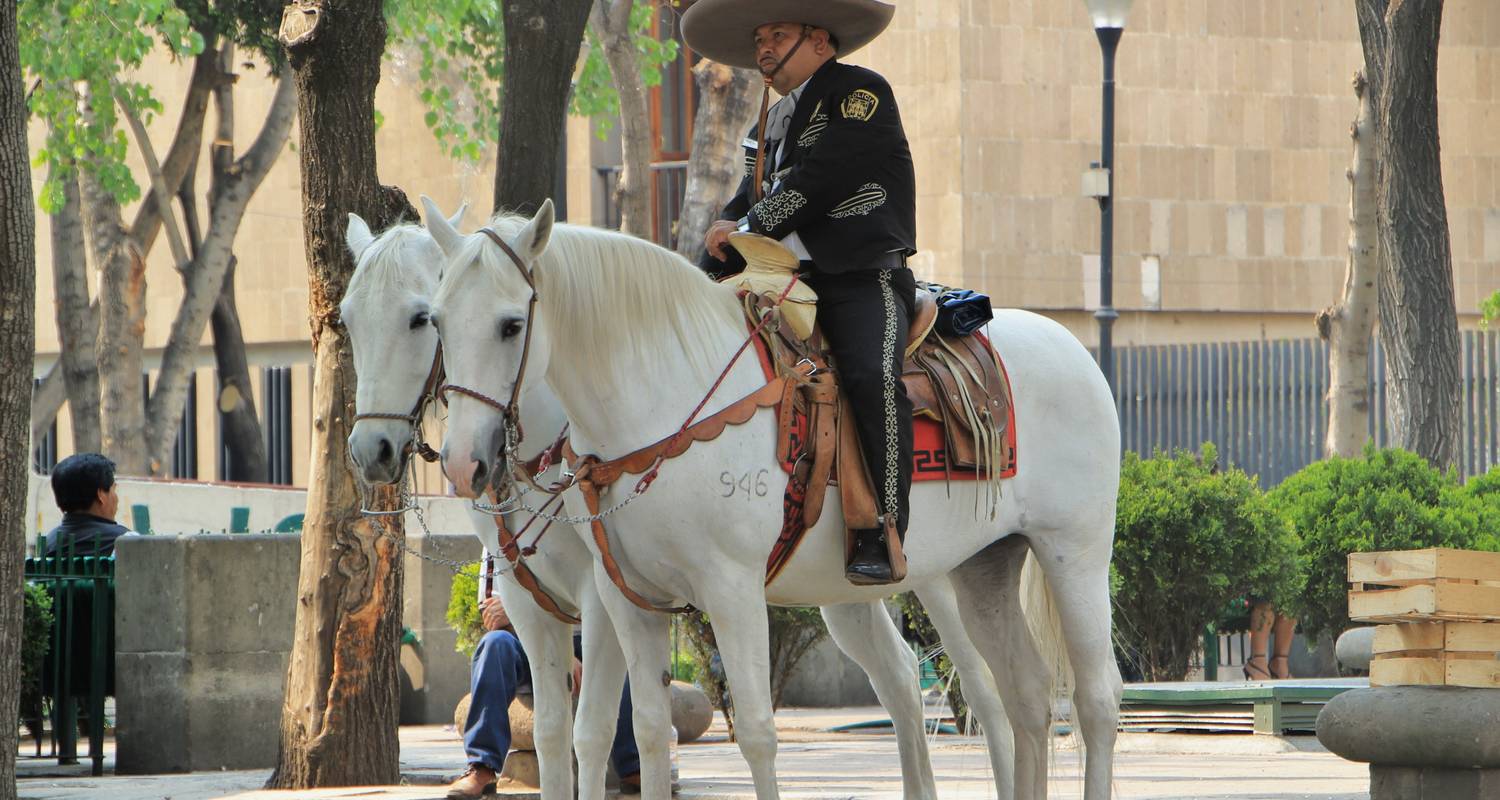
<point x="815" y="765"/>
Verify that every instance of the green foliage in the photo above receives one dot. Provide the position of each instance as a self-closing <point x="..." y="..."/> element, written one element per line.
<point x="1489" y="309"/>
<point x="36" y="640"/>
<point x="793" y="633"/>
<point x="463" y="610"/>
<point x="66" y="44"/>
<point x="459" y="48"/>
<point x="1385" y="500"/>
<point x="1189" y="538"/>
<point x="82" y="55"/>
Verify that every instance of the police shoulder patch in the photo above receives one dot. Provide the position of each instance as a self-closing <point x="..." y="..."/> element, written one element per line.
<point x="860" y="105"/>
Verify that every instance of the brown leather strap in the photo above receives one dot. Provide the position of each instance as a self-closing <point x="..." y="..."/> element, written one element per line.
<point x="513" y="409"/>
<point x="765" y="107"/>
<point x="605" y="473"/>
<point x="526" y="577"/>
<point x="590" y="490"/>
<point x="429" y="391"/>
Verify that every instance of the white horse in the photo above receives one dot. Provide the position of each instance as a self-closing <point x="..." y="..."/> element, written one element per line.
<point x="386" y="310"/>
<point x="630" y="336"/>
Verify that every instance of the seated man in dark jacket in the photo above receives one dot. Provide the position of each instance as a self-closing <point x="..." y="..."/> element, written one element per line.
<point x="84" y="486"/>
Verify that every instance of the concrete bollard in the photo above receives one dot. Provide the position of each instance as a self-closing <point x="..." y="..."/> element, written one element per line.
<point x="1421" y="742"/>
<point x="1355" y="648"/>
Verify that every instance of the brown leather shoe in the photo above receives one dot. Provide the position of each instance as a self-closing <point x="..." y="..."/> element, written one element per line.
<point x="630" y="784"/>
<point x="474" y="784"/>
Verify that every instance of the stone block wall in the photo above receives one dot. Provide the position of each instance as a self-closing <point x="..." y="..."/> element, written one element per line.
<point x="203" y="630"/>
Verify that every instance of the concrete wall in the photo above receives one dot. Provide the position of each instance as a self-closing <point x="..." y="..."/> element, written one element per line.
<point x="178" y="507"/>
<point x="826" y="678"/>
<point x="205" y="621"/>
<point x="434" y="675"/>
<point x="203" y="628"/>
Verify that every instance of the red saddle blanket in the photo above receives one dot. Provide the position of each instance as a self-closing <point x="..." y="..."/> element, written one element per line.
<point x="930" y="456"/>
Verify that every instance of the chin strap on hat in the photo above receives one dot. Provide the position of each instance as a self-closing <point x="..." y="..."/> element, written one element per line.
<point x="765" y="108"/>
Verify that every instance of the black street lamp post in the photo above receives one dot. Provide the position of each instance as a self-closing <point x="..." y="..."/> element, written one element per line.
<point x="1109" y="24"/>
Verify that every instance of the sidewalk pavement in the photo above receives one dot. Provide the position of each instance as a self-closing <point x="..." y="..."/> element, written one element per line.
<point x="813" y="764"/>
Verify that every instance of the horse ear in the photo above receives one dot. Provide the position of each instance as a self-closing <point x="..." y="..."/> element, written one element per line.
<point x="458" y="216"/>
<point x="447" y="237"/>
<point x="358" y="236"/>
<point x="538" y="231"/>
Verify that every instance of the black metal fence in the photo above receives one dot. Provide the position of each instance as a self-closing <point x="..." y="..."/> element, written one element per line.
<point x="1264" y="404"/>
<point x="80" y="661"/>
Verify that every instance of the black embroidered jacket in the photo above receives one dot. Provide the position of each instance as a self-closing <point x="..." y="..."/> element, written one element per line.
<point x="847" y="186"/>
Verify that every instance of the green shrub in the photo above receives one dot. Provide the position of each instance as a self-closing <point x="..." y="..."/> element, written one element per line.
<point x="36" y="640"/>
<point x="1189" y="539"/>
<point x="463" y="610"/>
<point x="1385" y="500"/>
<point x="793" y="633"/>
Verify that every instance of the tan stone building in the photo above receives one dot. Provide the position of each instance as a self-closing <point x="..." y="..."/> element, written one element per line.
<point x="1232" y="144"/>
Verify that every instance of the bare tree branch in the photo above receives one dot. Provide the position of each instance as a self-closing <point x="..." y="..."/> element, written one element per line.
<point x="159" y="186"/>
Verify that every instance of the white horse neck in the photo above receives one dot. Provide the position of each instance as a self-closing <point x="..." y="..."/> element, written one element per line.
<point x="638" y="336"/>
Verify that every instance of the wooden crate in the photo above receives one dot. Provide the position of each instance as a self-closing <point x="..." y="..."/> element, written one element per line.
<point x="1424" y="585"/>
<point x="1437" y="654"/>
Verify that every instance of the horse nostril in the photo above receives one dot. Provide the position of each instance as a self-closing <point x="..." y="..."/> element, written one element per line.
<point x="386" y="451"/>
<point x="480" y="470"/>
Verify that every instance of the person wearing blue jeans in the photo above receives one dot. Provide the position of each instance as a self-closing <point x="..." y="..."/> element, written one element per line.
<point x="499" y="670"/>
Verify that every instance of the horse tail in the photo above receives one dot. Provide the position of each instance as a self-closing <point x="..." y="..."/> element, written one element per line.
<point x="1042" y="619"/>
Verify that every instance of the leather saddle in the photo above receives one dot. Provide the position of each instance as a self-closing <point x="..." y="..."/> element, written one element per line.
<point x="955" y="381"/>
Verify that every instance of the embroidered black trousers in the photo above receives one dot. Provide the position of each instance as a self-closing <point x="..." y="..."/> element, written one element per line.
<point x="864" y="316"/>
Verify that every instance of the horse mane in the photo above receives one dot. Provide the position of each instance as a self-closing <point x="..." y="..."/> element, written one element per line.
<point x="630" y="304"/>
<point x="384" y="268"/>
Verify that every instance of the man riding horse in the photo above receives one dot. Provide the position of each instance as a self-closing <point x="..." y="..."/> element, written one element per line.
<point x="829" y="173"/>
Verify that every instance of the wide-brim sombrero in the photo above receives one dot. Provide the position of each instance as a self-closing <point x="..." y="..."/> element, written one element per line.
<point x="724" y="30"/>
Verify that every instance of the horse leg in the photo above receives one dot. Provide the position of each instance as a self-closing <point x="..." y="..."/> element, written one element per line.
<point x="642" y="636"/>
<point x="549" y="649"/>
<point x="738" y="612"/>
<point x="865" y="632"/>
<point x="598" y="698"/>
<point x="988" y="588"/>
<point x="979" y="685"/>
<point x="1080" y="593"/>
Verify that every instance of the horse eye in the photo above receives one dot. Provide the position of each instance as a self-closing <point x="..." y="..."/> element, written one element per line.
<point x="421" y="318"/>
<point x="511" y="329"/>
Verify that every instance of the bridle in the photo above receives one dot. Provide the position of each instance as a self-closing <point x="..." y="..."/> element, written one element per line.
<point x="429" y="393"/>
<point x="511" y="411"/>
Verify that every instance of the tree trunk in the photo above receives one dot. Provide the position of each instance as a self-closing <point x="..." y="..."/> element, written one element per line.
<point x="1347" y="326"/>
<point x="77" y="324"/>
<point x="17" y="348"/>
<point x="122" y="322"/>
<point x="203" y="278"/>
<point x="1418" y="318"/>
<point x="611" y="21"/>
<point x="244" y="442"/>
<point x="726" y="103"/>
<point x="339" y="715"/>
<point x="542" y="39"/>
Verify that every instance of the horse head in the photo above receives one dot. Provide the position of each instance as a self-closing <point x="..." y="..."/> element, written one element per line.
<point x="386" y="311"/>
<point x="485" y="310"/>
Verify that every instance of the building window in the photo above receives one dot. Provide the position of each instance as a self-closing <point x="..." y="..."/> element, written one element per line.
<point x="44" y="453"/>
<point x="276" y="399"/>
<point x="185" y="450"/>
